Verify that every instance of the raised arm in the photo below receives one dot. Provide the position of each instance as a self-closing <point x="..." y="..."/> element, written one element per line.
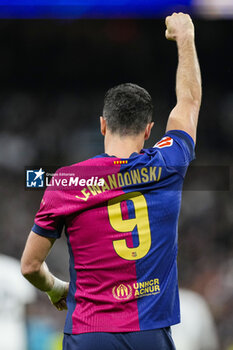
<point x="184" y="116"/>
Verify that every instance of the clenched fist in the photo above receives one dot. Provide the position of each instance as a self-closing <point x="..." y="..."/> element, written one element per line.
<point x="179" y="25"/>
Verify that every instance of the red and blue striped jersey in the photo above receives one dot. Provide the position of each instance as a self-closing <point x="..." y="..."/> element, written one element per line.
<point x="122" y="237"/>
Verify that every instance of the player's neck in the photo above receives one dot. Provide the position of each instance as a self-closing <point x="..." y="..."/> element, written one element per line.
<point x="123" y="147"/>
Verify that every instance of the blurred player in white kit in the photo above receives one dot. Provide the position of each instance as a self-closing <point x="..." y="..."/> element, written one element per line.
<point x="196" y="330"/>
<point x="15" y="293"/>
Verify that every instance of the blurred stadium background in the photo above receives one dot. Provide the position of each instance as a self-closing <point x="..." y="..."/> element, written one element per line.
<point x="56" y="63"/>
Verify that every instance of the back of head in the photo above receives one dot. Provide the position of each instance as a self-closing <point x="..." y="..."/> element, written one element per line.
<point x="127" y="109"/>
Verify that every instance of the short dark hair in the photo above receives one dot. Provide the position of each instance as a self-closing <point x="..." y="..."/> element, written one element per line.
<point x="127" y="109"/>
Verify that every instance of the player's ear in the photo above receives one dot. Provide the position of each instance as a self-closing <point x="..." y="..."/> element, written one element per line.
<point x="148" y="130"/>
<point x="102" y="126"/>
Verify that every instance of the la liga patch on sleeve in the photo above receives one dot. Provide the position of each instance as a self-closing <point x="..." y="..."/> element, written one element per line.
<point x="164" y="142"/>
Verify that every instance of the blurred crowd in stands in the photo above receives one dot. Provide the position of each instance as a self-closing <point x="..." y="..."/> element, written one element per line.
<point x="53" y="77"/>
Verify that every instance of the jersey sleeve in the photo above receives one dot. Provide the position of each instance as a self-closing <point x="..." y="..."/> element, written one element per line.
<point x="177" y="146"/>
<point x="177" y="149"/>
<point x="49" y="220"/>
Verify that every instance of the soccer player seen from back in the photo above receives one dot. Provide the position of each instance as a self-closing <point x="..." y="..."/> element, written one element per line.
<point x="122" y="232"/>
